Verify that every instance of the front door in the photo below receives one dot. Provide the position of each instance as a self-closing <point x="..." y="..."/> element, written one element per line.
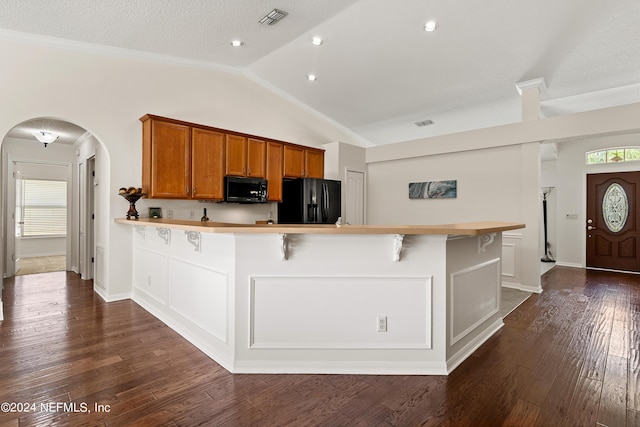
<point x="612" y="221"/>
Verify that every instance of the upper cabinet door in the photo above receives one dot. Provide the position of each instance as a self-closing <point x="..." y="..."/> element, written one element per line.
<point x="166" y="159"/>
<point x="293" y="161"/>
<point x="256" y="158"/>
<point x="207" y="160"/>
<point x="274" y="171"/>
<point x="314" y="163"/>
<point x="236" y="155"/>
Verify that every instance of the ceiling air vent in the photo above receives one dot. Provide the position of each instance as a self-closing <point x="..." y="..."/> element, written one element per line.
<point x="424" y="123"/>
<point x="273" y="17"/>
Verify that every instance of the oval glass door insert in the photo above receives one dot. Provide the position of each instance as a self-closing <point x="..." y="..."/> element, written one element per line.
<point x="615" y="207"/>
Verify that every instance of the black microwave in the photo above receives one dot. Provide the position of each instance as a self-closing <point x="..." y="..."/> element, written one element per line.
<point x="245" y="190"/>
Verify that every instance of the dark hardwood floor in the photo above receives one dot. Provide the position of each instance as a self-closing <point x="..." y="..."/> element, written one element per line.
<point x="567" y="357"/>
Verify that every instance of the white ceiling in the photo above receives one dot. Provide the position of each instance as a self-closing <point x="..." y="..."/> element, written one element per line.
<point x="67" y="133"/>
<point x="378" y="70"/>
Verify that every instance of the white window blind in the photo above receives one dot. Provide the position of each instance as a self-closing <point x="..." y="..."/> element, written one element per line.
<point x="44" y="208"/>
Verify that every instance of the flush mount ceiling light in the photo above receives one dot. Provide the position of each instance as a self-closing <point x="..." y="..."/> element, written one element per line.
<point x="45" y="137"/>
<point x="430" y="26"/>
<point x="316" y="41"/>
<point x="273" y="17"/>
<point x="311" y="77"/>
<point x="236" y="43"/>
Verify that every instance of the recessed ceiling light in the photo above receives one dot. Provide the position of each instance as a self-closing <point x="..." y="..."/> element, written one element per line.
<point x="430" y="26"/>
<point x="312" y="77"/>
<point x="316" y="41"/>
<point x="236" y="43"/>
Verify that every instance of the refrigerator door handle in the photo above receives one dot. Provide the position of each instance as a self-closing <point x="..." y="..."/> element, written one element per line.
<point x="325" y="204"/>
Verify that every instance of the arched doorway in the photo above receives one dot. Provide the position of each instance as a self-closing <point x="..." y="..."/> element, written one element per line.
<point x="63" y="162"/>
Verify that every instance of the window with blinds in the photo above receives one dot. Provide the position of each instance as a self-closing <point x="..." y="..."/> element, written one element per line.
<point x="42" y="208"/>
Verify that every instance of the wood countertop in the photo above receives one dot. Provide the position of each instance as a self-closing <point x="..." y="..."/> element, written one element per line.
<point x="465" y="229"/>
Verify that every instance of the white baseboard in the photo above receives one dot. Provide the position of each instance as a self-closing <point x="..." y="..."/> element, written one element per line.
<point x="569" y="264"/>
<point x="110" y="298"/>
<point x="522" y="287"/>
<point x="340" y="368"/>
<point x="467" y="350"/>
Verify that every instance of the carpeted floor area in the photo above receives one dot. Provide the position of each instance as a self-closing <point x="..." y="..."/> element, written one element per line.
<point x="45" y="264"/>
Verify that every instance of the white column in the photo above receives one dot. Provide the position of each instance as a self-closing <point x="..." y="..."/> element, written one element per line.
<point x="530" y="92"/>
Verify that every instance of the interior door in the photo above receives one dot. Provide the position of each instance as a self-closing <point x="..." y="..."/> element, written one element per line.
<point x="612" y="221"/>
<point x="355" y="198"/>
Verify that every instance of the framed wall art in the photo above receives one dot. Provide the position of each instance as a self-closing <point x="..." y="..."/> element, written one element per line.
<point x="433" y="190"/>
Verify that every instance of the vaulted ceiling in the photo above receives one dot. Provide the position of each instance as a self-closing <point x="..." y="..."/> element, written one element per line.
<point x="378" y="71"/>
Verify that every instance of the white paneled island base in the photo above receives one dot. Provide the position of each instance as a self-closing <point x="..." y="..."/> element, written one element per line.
<point x="323" y="299"/>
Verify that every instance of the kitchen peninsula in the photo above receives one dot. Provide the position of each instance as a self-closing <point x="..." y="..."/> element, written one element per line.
<point x="323" y="299"/>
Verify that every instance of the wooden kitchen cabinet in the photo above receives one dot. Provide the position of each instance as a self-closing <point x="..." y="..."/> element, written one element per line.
<point x="207" y="160"/>
<point x="274" y="170"/>
<point x="301" y="162"/>
<point x="245" y="156"/>
<point x="235" y="155"/>
<point x="256" y="158"/>
<point x="166" y="159"/>
<point x="180" y="161"/>
<point x="293" y="161"/>
<point x="314" y="163"/>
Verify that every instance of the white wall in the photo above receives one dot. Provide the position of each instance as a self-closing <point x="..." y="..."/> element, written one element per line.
<point x="495" y="184"/>
<point x="107" y="92"/>
<point x="489" y="184"/>
<point x="468" y="154"/>
<point x="571" y="194"/>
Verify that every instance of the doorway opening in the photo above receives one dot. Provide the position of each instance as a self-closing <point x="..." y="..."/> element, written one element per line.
<point x="40" y="217"/>
<point x="48" y="198"/>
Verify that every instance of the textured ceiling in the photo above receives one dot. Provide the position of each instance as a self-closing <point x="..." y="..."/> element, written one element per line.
<point x="378" y="70"/>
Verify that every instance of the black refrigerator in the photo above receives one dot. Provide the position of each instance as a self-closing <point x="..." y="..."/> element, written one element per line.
<point x="309" y="201"/>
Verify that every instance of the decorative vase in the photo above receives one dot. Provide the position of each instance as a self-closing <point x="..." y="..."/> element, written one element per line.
<point x="132" y="199"/>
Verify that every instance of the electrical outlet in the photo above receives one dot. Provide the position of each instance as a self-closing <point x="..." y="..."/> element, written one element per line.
<point x="169" y="213"/>
<point x="192" y="214"/>
<point x="382" y="323"/>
